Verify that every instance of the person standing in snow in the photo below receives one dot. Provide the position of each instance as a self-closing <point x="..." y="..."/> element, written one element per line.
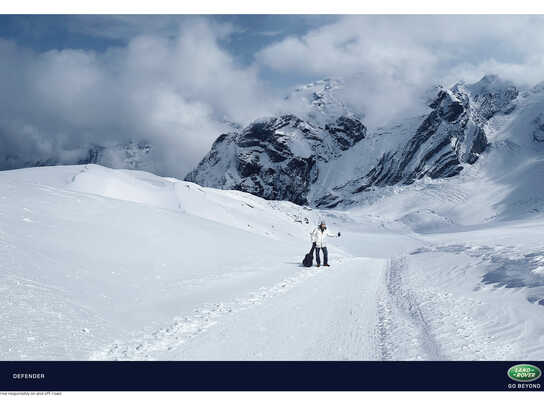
<point x="319" y="243"/>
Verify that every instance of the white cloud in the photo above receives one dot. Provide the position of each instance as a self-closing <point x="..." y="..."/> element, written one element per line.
<point x="172" y="92"/>
<point x="393" y="58"/>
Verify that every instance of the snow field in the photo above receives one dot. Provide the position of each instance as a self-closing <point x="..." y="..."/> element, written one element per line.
<point x="113" y="264"/>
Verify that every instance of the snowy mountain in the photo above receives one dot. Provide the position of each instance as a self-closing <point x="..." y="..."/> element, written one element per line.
<point x="436" y="145"/>
<point x="321" y="102"/>
<point x="305" y="159"/>
<point x="277" y="158"/>
<point x="130" y="155"/>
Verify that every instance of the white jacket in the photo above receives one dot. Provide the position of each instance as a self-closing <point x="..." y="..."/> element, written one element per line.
<point x="320" y="237"/>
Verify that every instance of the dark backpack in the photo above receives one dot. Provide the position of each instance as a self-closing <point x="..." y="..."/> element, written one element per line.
<point x="308" y="260"/>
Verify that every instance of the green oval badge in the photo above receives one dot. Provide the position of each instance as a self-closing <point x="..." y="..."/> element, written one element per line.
<point x="524" y="372"/>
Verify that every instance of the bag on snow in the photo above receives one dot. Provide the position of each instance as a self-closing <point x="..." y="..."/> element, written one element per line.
<point x="308" y="260"/>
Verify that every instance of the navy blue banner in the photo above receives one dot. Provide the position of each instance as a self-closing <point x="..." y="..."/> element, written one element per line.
<point x="264" y="376"/>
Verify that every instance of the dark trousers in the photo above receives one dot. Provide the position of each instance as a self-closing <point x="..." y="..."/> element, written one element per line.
<point x="325" y="256"/>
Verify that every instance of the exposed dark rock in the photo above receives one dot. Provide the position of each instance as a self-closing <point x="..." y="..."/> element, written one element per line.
<point x="347" y="131"/>
<point x="538" y="133"/>
<point x="276" y="158"/>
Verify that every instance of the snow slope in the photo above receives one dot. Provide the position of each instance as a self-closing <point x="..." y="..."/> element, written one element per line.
<point x="80" y="267"/>
<point x="98" y="263"/>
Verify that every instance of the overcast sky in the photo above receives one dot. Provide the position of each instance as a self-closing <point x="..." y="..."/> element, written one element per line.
<point x="67" y="81"/>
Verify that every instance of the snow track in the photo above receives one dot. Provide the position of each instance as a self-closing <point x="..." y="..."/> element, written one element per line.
<point x="452" y="302"/>
<point x="404" y="331"/>
<point x="308" y="311"/>
<point x="150" y="345"/>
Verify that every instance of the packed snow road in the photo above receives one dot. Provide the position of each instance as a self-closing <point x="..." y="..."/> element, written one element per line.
<point x="315" y="314"/>
<point x="112" y="264"/>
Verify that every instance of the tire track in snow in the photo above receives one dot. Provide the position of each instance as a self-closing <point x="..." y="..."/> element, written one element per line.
<point x="473" y="322"/>
<point x="145" y="346"/>
<point x="403" y="330"/>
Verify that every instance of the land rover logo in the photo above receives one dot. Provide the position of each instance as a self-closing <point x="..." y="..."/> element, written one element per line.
<point x="524" y="372"/>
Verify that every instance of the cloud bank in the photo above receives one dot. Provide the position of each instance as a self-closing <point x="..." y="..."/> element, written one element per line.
<point x="175" y="93"/>
<point x="392" y="59"/>
<point x="175" y="83"/>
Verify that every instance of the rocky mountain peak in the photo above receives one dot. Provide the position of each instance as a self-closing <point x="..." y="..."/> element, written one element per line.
<point x="321" y="102"/>
<point x="277" y="157"/>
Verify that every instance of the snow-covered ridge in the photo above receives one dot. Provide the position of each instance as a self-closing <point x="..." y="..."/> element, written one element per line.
<point x="233" y="208"/>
